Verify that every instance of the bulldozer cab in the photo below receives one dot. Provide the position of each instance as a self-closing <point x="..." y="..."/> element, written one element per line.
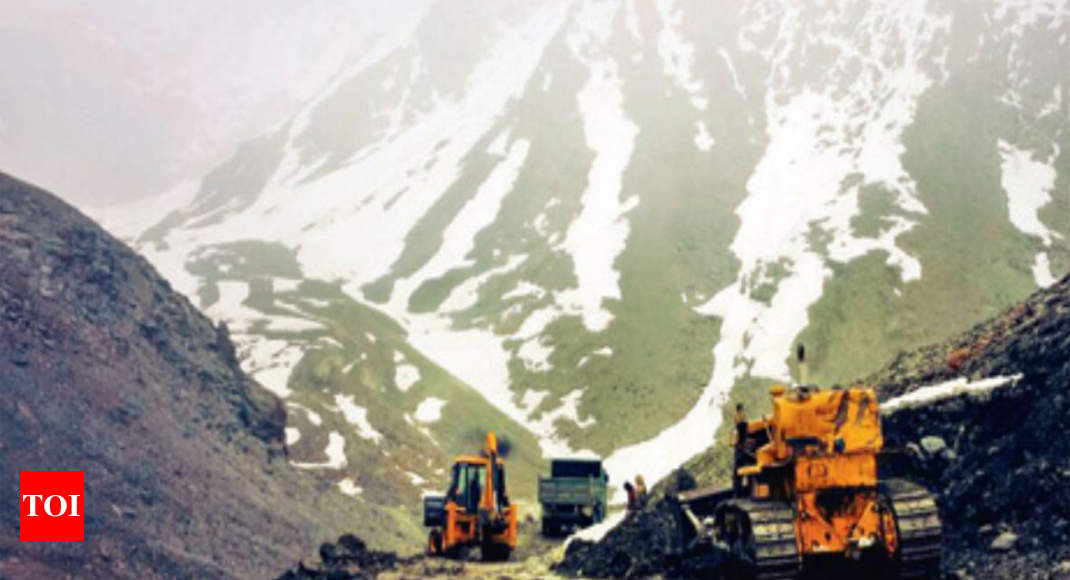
<point x="807" y="421"/>
<point x="815" y="439"/>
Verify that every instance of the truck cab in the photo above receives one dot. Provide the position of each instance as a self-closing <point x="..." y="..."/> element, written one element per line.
<point x="573" y="496"/>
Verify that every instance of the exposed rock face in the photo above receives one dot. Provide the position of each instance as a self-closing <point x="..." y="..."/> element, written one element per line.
<point x="104" y="369"/>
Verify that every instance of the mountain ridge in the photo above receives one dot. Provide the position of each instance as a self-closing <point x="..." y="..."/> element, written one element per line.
<point x="608" y="219"/>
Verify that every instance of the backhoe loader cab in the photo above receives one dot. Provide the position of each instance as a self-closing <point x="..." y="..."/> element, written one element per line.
<point x="812" y="494"/>
<point x="475" y="510"/>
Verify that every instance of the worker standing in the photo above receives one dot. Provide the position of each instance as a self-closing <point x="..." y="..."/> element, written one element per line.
<point x="640" y="492"/>
<point x="739" y="445"/>
<point x="633" y="500"/>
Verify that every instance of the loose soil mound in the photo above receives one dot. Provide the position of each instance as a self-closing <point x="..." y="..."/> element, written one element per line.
<point x="347" y="559"/>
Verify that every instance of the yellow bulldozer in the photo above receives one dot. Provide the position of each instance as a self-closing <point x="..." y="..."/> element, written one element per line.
<point x="809" y="497"/>
<point x="475" y="510"/>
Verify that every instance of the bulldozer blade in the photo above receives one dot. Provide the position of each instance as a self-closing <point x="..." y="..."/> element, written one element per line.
<point x="703" y="501"/>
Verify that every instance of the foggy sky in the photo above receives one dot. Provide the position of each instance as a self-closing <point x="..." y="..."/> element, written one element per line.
<point x="109" y="101"/>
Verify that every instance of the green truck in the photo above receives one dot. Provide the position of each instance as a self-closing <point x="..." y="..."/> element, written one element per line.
<point x="574" y="496"/>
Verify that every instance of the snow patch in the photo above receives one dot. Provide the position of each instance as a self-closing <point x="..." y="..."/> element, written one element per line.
<point x="348" y="487"/>
<point x="479" y="212"/>
<point x="357" y="415"/>
<point x="313" y="417"/>
<point x="429" y="410"/>
<point x="230" y="307"/>
<point x="1042" y="270"/>
<point x="498" y="145"/>
<point x="405" y="376"/>
<point x="953" y="388"/>
<point x="598" y="235"/>
<point x="524" y="289"/>
<point x="328" y="341"/>
<point x="703" y="140"/>
<point x="293" y="435"/>
<point x="553" y="445"/>
<point x="336" y="455"/>
<point x="466" y="295"/>
<point x="677" y="55"/>
<point x="277" y="323"/>
<point x="269" y="361"/>
<point x="598" y="531"/>
<point x="535" y="355"/>
<point x="532" y="399"/>
<point x="284" y="285"/>
<point x="1028" y="184"/>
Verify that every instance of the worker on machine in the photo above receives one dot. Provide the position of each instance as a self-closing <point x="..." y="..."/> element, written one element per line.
<point x="739" y="444"/>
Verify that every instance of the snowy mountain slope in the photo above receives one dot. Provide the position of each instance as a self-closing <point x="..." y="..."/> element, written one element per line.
<point x="603" y="220"/>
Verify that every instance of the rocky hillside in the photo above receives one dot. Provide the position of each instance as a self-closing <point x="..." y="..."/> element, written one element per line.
<point x="999" y="461"/>
<point x="105" y="369"/>
<point x="591" y="222"/>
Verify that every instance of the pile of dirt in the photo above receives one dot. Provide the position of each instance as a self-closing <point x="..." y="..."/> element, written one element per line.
<point x="647" y="543"/>
<point x="347" y="559"/>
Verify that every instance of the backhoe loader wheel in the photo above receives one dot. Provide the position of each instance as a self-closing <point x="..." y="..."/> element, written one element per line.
<point x="434" y="543"/>
<point x="493" y="552"/>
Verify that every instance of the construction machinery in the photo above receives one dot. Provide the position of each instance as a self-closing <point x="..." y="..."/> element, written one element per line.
<point x="810" y="496"/>
<point x="574" y="496"/>
<point x="475" y="510"/>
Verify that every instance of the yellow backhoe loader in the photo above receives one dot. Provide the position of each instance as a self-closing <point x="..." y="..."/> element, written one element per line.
<point x="475" y="510"/>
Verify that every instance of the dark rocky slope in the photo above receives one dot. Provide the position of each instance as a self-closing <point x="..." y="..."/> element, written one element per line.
<point x="999" y="461"/>
<point x="105" y="369"/>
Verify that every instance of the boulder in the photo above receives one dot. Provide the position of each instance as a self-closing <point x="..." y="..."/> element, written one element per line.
<point x="1004" y="542"/>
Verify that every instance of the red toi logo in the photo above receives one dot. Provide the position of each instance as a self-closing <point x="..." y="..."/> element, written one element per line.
<point x="52" y="506"/>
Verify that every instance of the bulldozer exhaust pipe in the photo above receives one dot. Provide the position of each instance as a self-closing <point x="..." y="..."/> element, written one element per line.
<point x="800" y="358"/>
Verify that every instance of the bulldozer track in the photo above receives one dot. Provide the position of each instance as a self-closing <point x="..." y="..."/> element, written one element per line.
<point x="919" y="528"/>
<point x="772" y="543"/>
